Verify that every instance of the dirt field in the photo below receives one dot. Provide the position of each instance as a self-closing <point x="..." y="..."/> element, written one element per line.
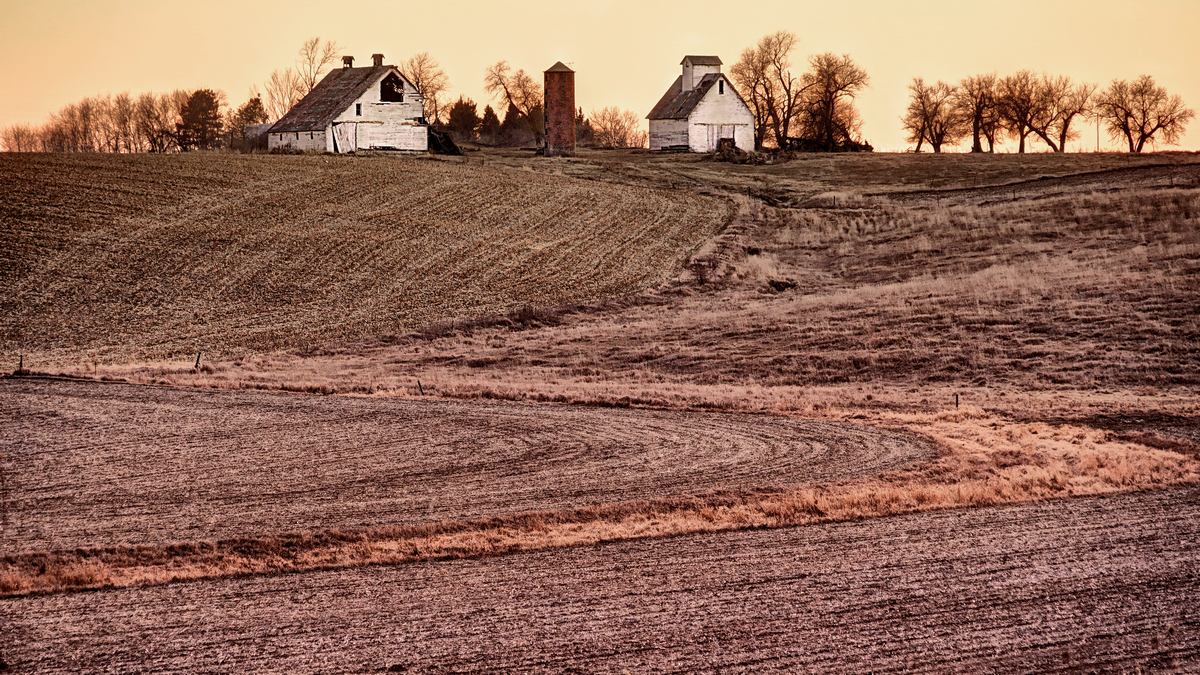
<point x="91" y="464"/>
<point x="111" y="258"/>
<point x="1100" y="585"/>
<point x="1056" y="296"/>
<point x="1078" y="292"/>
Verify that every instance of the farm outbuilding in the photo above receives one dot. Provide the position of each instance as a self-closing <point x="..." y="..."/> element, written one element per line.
<point x="559" y="107"/>
<point x="701" y="111"/>
<point x="373" y="108"/>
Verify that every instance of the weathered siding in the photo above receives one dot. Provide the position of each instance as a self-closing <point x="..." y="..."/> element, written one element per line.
<point x="693" y="73"/>
<point x="383" y="124"/>
<point x="720" y="115"/>
<point x="298" y="140"/>
<point x="668" y="133"/>
<point x="367" y="123"/>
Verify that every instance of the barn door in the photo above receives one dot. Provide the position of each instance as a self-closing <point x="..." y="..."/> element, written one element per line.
<point x="344" y="137"/>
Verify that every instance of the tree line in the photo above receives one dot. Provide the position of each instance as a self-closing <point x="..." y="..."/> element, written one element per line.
<point x="521" y="97"/>
<point x="813" y="110"/>
<point x="202" y="119"/>
<point x="1026" y="106"/>
<point x="148" y="122"/>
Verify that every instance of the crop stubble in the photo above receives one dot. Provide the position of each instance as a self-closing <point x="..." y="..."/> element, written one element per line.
<point x="92" y="464"/>
<point x="1079" y="586"/>
<point x="112" y="258"/>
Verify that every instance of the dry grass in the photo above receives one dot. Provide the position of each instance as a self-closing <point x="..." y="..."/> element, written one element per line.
<point x="986" y="462"/>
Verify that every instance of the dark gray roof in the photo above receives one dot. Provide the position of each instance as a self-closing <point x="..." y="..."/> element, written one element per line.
<point x="330" y="98"/>
<point x="677" y="104"/>
<point x="559" y="67"/>
<point x="701" y="60"/>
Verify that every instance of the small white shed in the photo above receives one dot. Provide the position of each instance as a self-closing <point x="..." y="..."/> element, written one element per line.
<point x="700" y="110"/>
<point x="351" y="109"/>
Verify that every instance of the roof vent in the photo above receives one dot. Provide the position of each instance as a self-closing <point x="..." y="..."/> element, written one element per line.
<point x="377" y="59"/>
<point x="347" y="61"/>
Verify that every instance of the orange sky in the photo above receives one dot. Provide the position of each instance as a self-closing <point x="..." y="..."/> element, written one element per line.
<point x="625" y="52"/>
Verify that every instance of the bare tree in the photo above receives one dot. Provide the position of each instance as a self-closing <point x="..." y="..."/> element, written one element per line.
<point x="616" y="128"/>
<point x="1137" y="112"/>
<point x="775" y="95"/>
<point x="122" y="119"/>
<point x="932" y="115"/>
<point x="829" y="116"/>
<point x="1059" y="103"/>
<point x="284" y="90"/>
<point x="20" y="138"/>
<point x="429" y="79"/>
<point x="155" y="118"/>
<point x="517" y="90"/>
<point x="1019" y="104"/>
<point x="750" y="76"/>
<point x="976" y="103"/>
<point x="314" y="57"/>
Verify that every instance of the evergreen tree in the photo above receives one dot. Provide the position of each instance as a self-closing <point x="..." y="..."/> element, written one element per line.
<point x="464" y="120"/>
<point x="489" y="126"/>
<point x="201" y="123"/>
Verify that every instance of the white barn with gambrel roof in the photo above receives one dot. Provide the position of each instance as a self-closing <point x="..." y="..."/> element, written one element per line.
<point x="374" y="108"/>
<point x="700" y="110"/>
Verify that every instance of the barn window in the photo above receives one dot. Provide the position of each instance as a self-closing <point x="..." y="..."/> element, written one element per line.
<point x="721" y="86"/>
<point x="391" y="89"/>
<point x="358" y="109"/>
<point x="310" y="135"/>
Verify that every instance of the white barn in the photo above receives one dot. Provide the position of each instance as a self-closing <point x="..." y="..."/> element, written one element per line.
<point x="351" y="109"/>
<point x="700" y="110"/>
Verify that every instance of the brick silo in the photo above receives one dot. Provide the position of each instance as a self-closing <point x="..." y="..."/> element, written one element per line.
<point x="560" y="111"/>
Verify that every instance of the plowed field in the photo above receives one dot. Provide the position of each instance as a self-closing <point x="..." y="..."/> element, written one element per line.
<point x="1100" y="585"/>
<point x="117" y="258"/>
<point x="94" y="464"/>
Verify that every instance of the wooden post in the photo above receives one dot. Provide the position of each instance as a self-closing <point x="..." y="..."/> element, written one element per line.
<point x="420" y="388"/>
<point x="197" y="360"/>
<point x="21" y="366"/>
<point x="956" y="400"/>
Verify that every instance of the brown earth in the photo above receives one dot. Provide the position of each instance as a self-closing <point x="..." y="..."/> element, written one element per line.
<point x="92" y="464"/>
<point x="114" y="258"/>
<point x="1080" y="297"/>
<point x="878" y="290"/>
<point x="1096" y="585"/>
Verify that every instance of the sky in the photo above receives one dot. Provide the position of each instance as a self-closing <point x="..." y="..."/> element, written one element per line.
<point x="625" y="52"/>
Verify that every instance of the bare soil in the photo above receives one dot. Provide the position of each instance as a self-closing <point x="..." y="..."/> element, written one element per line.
<point x="112" y="258"/>
<point x="92" y="464"/>
<point x="1096" y="585"/>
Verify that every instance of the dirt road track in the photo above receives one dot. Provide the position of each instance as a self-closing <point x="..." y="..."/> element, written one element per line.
<point x="1079" y="586"/>
<point x="95" y="464"/>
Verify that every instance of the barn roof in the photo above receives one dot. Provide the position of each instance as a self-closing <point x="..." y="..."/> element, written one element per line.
<point x="677" y="104"/>
<point x="701" y="60"/>
<point x="330" y="98"/>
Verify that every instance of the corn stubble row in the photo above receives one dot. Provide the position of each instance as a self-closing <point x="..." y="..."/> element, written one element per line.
<point x="114" y="258"/>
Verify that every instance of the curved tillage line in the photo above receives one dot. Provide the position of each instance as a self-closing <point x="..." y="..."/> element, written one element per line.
<point x="145" y="465"/>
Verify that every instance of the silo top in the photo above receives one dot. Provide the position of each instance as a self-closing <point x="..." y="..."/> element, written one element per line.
<point x="559" y="67"/>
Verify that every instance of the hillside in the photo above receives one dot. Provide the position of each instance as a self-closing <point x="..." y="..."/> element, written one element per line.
<point x="121" y="258"/>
